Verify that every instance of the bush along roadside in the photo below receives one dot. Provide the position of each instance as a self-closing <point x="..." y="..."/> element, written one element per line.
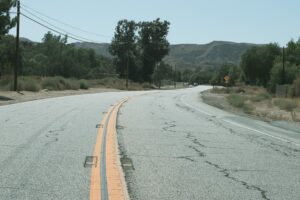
<point x="35" y="84"/>
<point x="257" y="101"/>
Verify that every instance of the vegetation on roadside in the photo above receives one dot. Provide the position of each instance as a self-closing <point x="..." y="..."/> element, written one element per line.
<point x="255" y="101"/>
<point x="56" y="83"/>
<point x="138" y="49"/>
<point x="285" y="104"/>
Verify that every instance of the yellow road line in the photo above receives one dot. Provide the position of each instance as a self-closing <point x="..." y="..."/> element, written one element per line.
<point x="116" y="185"/>
<point x="95" y="187"/>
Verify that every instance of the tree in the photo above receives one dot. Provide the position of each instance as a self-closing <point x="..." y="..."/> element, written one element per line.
<point x="293" y="52"/>
<point x="291" y="73"/>
<point x="53" y="47"/>
<point x="257" y="63"/>
<point x="7" y="54"/>
<point x="6" y="22"/>
<point x="163" y="71"/>
<point x="124" y="49"/>
<point x="153" y="45"/>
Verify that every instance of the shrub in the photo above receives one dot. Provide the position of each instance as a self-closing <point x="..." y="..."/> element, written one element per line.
<point x="247" y="109"/>
<point x="260" y="97"/>
<point x="32" y="85"/>
<point x="236" y="100"/>
<point x="83" y="85"/>
<point x="285" y="104"/>
<point x="294" y="90"/>
<point x="60" y="83"/>
<point x="71" y="84"/>
<point x="50" y="83"/>
<point x="28" y="84"/>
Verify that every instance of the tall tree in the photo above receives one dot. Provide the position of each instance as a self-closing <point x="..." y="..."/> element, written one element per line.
<point x="257" y="63"/>
<point x="153" y="44"/>
<point x="53" y="47"/>
<point x="124" y="49"/>
<point x="7" y="54"/>
<point x="293" y="52"/>
<point x="6" y="22"/>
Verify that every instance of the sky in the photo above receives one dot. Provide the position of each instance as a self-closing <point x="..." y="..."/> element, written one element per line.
<point x="192" y="21"/>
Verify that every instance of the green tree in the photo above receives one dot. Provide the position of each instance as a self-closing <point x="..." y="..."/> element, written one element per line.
<point x="257" y="63"/>
<point x="124" y="49"/>
<point x="291" y="73"/>
<point x="234" y="74"/>
<point x="53" y="47"/>
<point x="186" y="75"/>
<point x="163" y="71"/>
<point x="6" y="22"/>
<point x="153" y="45"/>
<point x="7" y="54"/>
<point x="293" y="52"/>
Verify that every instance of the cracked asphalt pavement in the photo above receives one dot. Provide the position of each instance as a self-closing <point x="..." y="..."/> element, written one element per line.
<point x="181" y="148"/>
<point x="172" y="146"/>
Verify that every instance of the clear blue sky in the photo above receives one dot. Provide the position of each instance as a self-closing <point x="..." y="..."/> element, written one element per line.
<point x="192" y="21"/>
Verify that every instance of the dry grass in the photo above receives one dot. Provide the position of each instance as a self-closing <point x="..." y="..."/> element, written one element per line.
<point x="258" y="102"/>
<point x="35" y="84"/>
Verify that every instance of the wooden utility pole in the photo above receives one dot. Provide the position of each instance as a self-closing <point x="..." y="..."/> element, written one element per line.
<point x="127" y="70"/>
<point x="158" y="75"/>
<point x="283" y="67"/>
<point x="174" y="76"/>
<point x="17" y="64"/>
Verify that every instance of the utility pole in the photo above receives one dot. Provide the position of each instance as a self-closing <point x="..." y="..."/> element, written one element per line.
<point x="158" y="73"/>
<point x="127" y="70"/>
<point x="17" y="64"/>
<point x="174" y="76"/>
<point x="283" y="67"/>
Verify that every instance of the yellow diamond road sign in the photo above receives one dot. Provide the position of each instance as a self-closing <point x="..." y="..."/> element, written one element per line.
<point x="226" y="78"/>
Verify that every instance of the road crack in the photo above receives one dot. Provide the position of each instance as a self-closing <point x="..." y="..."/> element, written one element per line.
<point x="226" y="173"/>
<point x="200" y="153"/>
<point x="169" y="126"/>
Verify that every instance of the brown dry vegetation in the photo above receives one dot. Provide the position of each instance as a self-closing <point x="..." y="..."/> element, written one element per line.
<point x="254" y="101"/>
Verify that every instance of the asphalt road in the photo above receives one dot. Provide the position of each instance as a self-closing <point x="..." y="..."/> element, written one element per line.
<point x="174" y="147"/>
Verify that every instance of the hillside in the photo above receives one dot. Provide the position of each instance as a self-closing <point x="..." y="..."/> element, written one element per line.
<point x="191" y="55"/>
<point x="101" y="48"/>
<point x="214" y="53"/>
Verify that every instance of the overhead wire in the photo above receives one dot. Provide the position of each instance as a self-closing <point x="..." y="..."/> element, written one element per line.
<point x="63" y="23"/>
<point x="56" y="31"/>
<point x="57" y="28"/>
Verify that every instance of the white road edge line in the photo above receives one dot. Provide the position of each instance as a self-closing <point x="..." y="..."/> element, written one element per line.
<point x="187" y="104"/>
<point x="239" y="125"/>
<point x="266" y="134"/>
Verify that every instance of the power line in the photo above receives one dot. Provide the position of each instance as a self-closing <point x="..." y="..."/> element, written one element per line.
<point x="58" y="32"/>
<point x="58" y="28"/>
<point x="71" y="26"/>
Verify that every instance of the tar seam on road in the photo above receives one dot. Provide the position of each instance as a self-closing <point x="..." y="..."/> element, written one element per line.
<point x="104" y="192"/>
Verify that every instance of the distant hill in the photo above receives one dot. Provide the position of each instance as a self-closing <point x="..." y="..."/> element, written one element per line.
<point x="188" y="56"/>
<point x="191" y="55"/>
<point x="214" y="53"/>
<point x="101" y="48"/>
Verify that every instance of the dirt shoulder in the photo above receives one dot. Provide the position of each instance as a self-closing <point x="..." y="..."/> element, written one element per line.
<point x="254" y="102"/>
<point x="9" y="97"/>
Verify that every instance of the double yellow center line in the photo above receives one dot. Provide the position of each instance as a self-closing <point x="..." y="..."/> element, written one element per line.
<point x="107" y="179"/>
